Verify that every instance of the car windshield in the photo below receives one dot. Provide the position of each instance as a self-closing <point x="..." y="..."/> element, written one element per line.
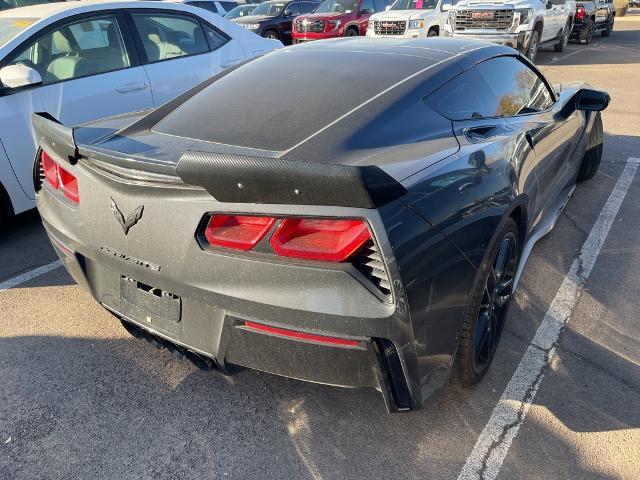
<point x="10" y="27"/>
<point x="337" y="6"/>
<point x="269" y="9"/>
<point x="241" y="11"/>
<point x="414" y="5"/>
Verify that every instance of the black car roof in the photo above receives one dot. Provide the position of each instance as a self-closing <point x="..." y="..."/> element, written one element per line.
<point x="276" y="102"/>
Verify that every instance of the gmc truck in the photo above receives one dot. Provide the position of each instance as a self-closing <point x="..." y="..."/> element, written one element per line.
<point x="521" y="24"/>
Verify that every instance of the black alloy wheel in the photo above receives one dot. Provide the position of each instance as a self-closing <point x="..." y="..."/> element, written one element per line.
<point x="488" y="307"/>
<point x="495" y="303"/>
<point x="351" y="32"/>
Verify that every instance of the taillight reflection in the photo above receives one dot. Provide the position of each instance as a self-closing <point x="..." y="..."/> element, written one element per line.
<point x="240" y="232"/>
<point x="327" y="240"/>
<point x="319" y="239"/>
<point x="58" y="178"/>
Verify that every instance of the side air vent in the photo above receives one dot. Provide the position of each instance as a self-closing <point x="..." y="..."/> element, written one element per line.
<point x="392" y="369"/>
<point x="369" y="263"/>
<point x="38" y="173"/>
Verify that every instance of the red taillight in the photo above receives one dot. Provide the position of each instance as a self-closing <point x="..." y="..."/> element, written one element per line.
<point x="237" y="231"/>
<point x="580" y="13"/>
<point x="58" y="177"/>
<point x="311" y="337"/>
<point x="50" y="169"/>
<point x="317" y="239"/>
<point x="69" y="185"/>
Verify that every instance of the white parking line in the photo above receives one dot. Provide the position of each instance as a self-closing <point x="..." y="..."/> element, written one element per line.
<point x="557" y="59"/>
<point x="493" y="444"/>
<point x="31" y="274"/>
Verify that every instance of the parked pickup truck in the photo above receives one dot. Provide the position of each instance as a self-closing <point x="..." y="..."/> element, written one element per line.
<point x="592" y="16"/>
<point x="521" y="24"/>
<point x="410" y="19"/>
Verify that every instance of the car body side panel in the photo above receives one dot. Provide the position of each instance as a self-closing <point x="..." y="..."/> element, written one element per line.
<point x="8" y="181"/>
<point x="436" y="280"/>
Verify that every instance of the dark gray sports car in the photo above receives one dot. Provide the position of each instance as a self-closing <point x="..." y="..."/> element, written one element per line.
<point x="349" y="212"/>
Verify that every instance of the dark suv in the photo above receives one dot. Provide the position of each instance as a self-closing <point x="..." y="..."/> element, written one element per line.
<point x="273" y="19"/>
<point x="592" y="16"/>
<point x="336" y="18"/>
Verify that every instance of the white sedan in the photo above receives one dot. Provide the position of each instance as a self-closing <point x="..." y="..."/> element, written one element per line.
<point x="81" y="61"/>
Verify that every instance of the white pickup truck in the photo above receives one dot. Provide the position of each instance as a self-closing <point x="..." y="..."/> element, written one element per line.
<point x="521" y="24"/>
<point x="410" y="19"/>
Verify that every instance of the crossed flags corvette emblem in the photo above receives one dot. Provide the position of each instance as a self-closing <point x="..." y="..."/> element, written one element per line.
<point x="132" y="218"/>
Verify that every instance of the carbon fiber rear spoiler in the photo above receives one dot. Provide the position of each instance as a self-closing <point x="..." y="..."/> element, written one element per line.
<point x="246" y="179"/>
<point x="51" y="135"/>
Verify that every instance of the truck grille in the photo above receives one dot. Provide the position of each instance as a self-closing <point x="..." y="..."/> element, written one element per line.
<point x="369" y="263"/>
<point x="386" y="27"/>
<point x="501" y="20"/>
<point x="313" y="26"/>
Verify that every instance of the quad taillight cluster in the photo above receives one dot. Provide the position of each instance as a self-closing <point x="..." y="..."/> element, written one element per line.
<point x="59" y="179"/>
<point x="329" y="240"/>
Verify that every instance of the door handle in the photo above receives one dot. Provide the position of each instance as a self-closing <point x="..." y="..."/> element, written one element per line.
<point x="231" y="63"/>
<point x="131" y="87"/>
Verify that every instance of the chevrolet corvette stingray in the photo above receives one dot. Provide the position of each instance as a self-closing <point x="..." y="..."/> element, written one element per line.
<point x="360" y="217"/>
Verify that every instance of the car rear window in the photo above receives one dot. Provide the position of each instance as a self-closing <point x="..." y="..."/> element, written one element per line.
<point x="300" y="93"/>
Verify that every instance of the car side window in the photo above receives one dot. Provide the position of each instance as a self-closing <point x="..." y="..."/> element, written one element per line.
<point x="366" y="6"/>
<point x="379" y="5"/>
<point x="79" y="49"/>
<point x="307" y="7"/>
<point x="517" y="88"/>
<point x="228" y="6"/>
<point x="499" y="87"/>
<point x="215" y="37"/>
<point x="209" y="6"/>
<point x="166" y="36"/>
<point x="293" y="9"/>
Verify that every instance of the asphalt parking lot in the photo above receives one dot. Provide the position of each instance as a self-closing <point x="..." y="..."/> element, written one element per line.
<point x="80" y="398"/>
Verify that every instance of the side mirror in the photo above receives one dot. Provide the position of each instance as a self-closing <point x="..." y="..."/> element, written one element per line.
<point x="288" y="13"/>
<point x="549" y="5"/>
<point x="445" y="7"/>
<point x="16" y="76"/>
<point x="387" y="8"/>
<point x="366" y="11"/>
<point x="592" y="100"/>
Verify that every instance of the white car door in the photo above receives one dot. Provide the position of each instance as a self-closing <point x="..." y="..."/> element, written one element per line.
<point x="87" y="74"/>
<point x="182" y="52"/>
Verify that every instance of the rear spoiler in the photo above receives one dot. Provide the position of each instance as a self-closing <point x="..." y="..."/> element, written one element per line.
<point x="262" y="180"/>
<point x="51" y="135"/>
<point x="239" y="178"/>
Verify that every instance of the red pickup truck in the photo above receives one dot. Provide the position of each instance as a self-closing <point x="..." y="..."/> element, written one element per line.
<point x="336" y="18"/>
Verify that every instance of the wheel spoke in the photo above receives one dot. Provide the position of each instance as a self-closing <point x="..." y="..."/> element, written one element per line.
<point x="484" y="337"/>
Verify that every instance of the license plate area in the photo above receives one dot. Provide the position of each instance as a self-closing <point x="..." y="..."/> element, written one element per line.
<point x="151" y="306"/>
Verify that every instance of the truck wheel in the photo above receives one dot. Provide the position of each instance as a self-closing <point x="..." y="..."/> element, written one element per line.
<point x="593" y="155"/>
<point x="607" y="31"/>
<point x="487" y="312"/>
<point x="587" y="33"/>
<point x="272" y="34"/>
<point x="532" y="49"/>
<point x="351" y="32"/>
<point x="432" y="33"/>
<point x="564" y="39"/>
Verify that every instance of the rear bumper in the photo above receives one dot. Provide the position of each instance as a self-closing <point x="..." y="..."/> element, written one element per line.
<point x="219" y="292"/>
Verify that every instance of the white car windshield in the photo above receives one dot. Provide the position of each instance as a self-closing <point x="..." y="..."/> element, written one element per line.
<point x="10" y="27"/>
<point x="414" y="5"/>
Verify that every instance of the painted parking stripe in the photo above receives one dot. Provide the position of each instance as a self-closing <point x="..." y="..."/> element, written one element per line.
<point x="31" y="274"/>
<point x="493" y="444"/>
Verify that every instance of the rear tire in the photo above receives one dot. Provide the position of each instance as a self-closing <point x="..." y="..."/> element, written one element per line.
<point x="432" y="33"/>
<point x="532" y="49"/>
<point x="491" y="300"/>
<point x="607" y="31"/>
<point x="272" y="34"/>
<point x="593" y="155"/>
<point x="559" y="47"/>
<point x="588" y="33"/>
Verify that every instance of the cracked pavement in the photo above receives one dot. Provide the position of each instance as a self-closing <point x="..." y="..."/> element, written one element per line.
<point x="79" y="398"/>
